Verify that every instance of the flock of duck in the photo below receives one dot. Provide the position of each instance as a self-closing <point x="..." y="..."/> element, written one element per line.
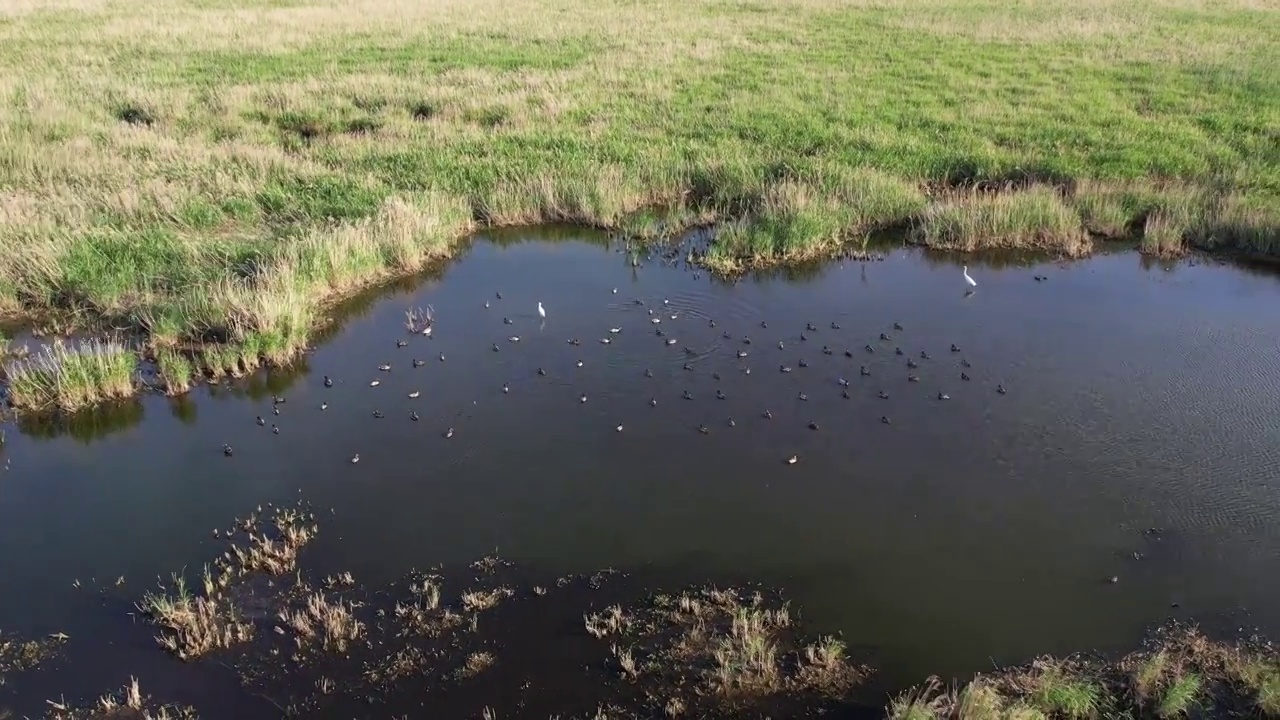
<point x="658" y="312"/>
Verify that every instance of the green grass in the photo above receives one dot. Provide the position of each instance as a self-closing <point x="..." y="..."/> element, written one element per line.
<point x="1061" y="694"/>
<point x="1181" y="697"/>
<point x="218" y="172"/>
<point x="69" y="377"/>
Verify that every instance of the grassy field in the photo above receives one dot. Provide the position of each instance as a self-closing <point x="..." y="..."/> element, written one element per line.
<point x="208" y="175"/>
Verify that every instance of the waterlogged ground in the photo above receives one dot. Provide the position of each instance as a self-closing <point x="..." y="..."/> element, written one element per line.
<point x="1136" y="441"/>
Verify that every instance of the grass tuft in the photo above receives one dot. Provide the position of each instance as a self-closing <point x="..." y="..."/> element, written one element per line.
<point x="1181" y="696"/>
<point x="1059" y="693"/>
<point x="66" y="377"/>
<point x="1036" y="219"/>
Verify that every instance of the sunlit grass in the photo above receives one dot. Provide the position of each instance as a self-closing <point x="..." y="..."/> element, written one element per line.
<point x="70" y="377"/>
<point x="1062" y="694"/>
<point x="248" y="164"/>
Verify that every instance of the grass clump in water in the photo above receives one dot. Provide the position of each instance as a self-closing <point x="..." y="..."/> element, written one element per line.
<point x="1035" y="218"/>
<point x="66" y="377"/>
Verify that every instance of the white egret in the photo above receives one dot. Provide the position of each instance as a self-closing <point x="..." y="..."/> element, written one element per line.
<point x="541" y="312"/>
<point x="970" y="281"/>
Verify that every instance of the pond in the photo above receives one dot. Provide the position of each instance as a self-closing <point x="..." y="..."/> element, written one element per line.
<point x="1137" y="439"/>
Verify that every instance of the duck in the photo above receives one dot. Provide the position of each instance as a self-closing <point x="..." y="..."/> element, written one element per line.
<point x="897" y="326"/>
<point x="842" y="382"/>
<point x="803" y="337"/>
<point x="965" y="363"/>
<point x="742" y="354"/>
<point x="884" y="336"/>
<point x="671" y="341"/>
<point x="955" y="347"/>
<point x="582" y="398"/>
<point x="964" y="376"/>
<point x="486" y="304"/>
<point x="1000" y="389"/>
<point x="885" y="419"/>
<point x="711" y="323"/>
<point x="720" y="395"/>
<point x="275" y="410"/>
<point x="848" y="353"/>
<point x="870" y="349"/>
<point x="764" y="324"/>
<point x="898" y="351"/>
<point x="448" y="433"/>
<point x="767" y="415"/>
<point x="495" y="347"/>
<point x="924" y="355"/>
<point x="689" y="351"/>
<point x="659" y="333"/>
<point x="413" y="416"/>
<point x="715" y="375"/>
<point x="414" y="395"/>
<point x="746" y="340"/>
<point x="226" y="450"/>
<point x="505" y="388"/>
<point x="703" y="429"/>
<point x="377" y="414"/>
<point x="811" y="327"/>
<point x="943" y="396"/>
<point x="648" y="373"/>
<point x="813" y="425"/>
<point x="913" y="378"/>
<point x="655" y="321"/>
<point x="514" y="339"/>
<point x="688" y="367"/>
<point x="375" y="383"/>
<point x="803" y="397"/>
<point x="835" y="325"/>
<point x="328" y="381"/>
<point x="277" y="400"/>
<point x="605" y="341"/>
<point x="827" y="351"/>
<point x="402" y="343"/>
<point x="726" y="335"/>
<point x="882" y="395"/>
<point x="324" y="406"/>
<point x="653" y="402"/>
<point x="619" y="428"/>
<point x="780" y="345"/>
<point x="731" y="423"/>
<point x="506" y="321"/>
<point x="844" y="394"/>
<point x="746" y="370"/>
<point x="355" y="458"/>
<point x="260" y="421"/>
<point x="498" y="295"/>
<point x="419" y="363"/>
<point x="441" y="357"/>
<point x="784" y="368"/>
<point x="803" y="363"/>
<point x="614" y="331"/>
<point x="793" y="459"/>
<point x="912" y="363"/>
<point x="687" y="395"/>
<point x="863" y="371"/>
<point x="574" y="341"/>
<point x="542" y="372"/>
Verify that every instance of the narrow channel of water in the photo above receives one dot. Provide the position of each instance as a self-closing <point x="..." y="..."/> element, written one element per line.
<point x="1138" y="437"/>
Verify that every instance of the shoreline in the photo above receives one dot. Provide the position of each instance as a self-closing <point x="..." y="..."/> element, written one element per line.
<point x="104" y="372"/>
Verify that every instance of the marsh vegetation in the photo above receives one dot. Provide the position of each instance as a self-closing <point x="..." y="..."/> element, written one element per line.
<point x="248" y="164"/>
<point x="329" y="646"/>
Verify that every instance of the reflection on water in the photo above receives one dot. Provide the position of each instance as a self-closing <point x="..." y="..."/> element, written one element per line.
<point x="1139" y="438"/>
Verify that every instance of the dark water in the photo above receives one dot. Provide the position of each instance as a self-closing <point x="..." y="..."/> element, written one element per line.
<point x="969" y="531"/>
